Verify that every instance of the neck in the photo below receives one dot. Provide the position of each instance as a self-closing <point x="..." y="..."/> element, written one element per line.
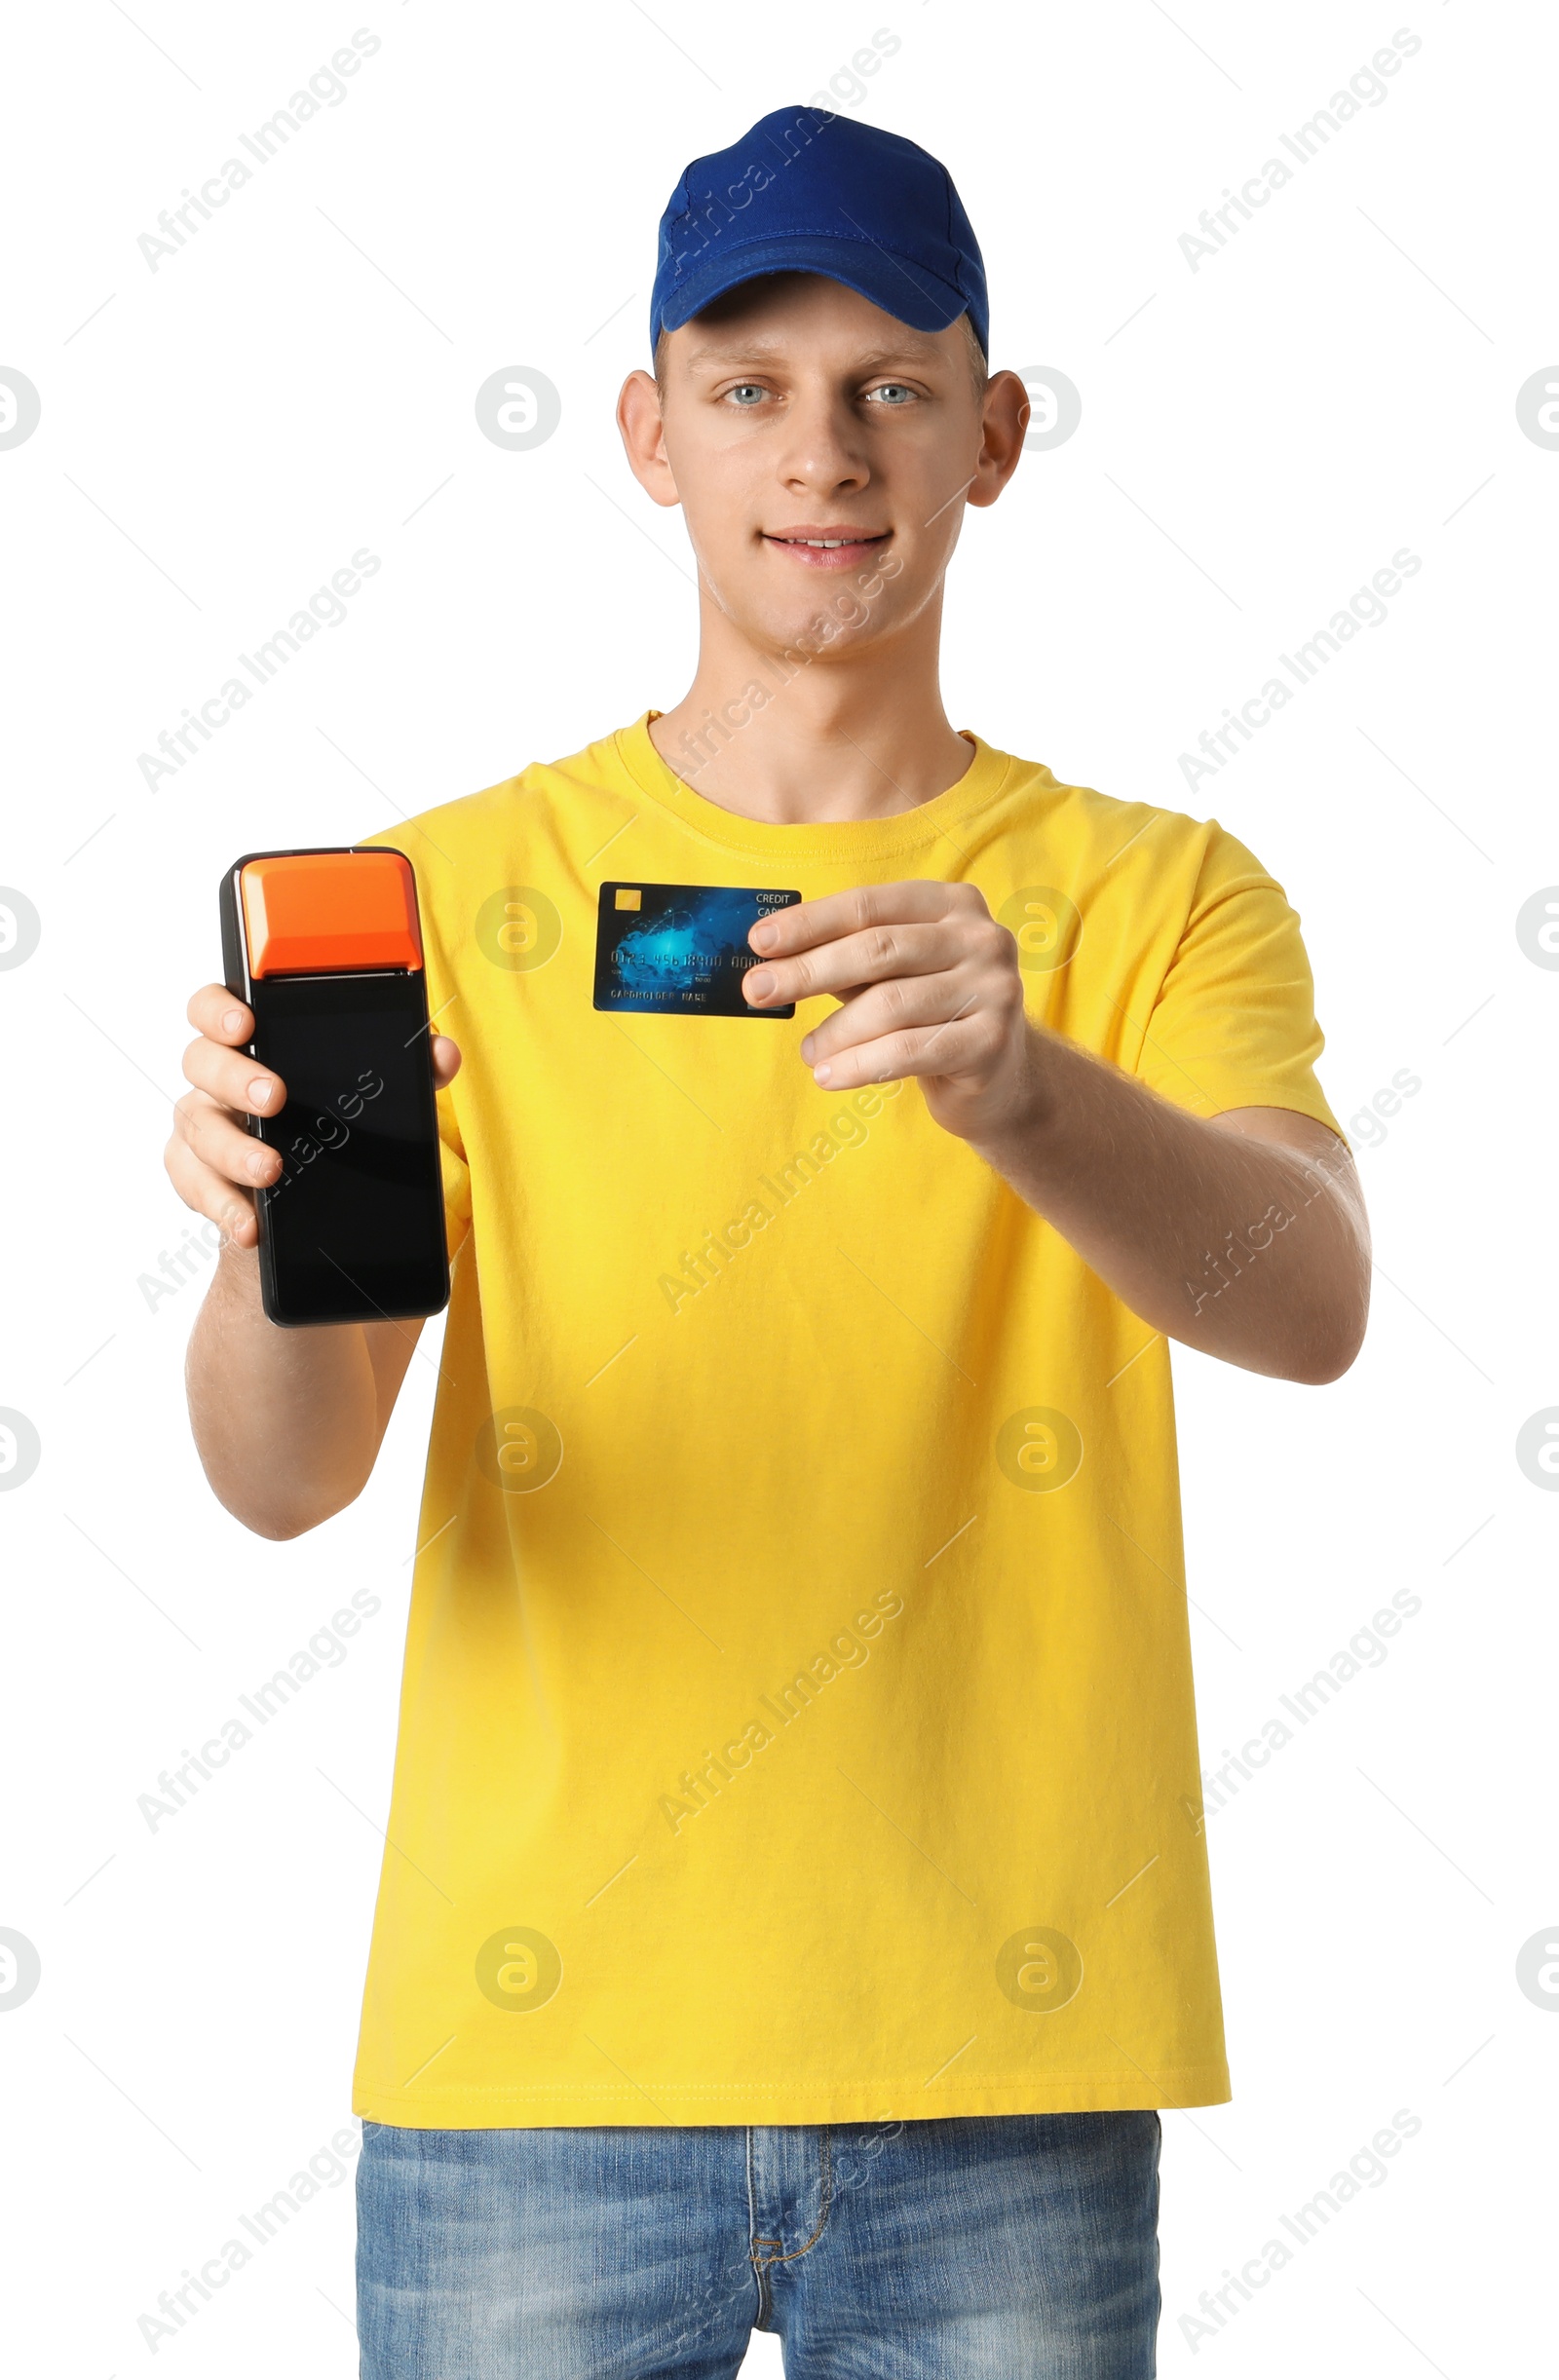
<point x="800" y="734"/>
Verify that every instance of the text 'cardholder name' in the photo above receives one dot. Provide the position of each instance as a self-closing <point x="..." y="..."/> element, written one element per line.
<point x="680" y="950"/>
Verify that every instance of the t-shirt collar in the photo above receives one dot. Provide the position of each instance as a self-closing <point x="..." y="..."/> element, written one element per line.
<point x="844" y="839"/>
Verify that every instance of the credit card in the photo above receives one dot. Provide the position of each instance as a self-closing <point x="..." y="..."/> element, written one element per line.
<point x="680" y="950"/>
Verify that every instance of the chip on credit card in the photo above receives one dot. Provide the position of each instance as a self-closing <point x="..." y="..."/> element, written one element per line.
<point x="680" y="950"/>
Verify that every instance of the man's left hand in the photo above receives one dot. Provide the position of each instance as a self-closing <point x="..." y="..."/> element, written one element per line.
<point x="931" y="987"/>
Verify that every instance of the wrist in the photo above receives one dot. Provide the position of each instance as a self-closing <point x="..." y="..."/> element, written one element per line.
<point x="238" y="1272"/>
<point x="1028" y="1120"/>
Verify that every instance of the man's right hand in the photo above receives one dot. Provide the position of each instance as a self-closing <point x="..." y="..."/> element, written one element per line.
<point x="287" y="1422"/>
<point x="212" y="1162"/>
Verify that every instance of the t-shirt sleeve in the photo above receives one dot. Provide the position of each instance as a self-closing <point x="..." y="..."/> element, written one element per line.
<point x="1234" y="1024"/>
<point x="456" y="1174"/>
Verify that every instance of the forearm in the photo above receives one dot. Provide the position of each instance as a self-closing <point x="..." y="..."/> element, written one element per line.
<point x="286" y="1421"/>
<point x="1251" y="1251"/>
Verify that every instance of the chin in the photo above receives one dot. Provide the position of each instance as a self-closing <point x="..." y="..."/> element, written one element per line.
<point x="814" y="631"/>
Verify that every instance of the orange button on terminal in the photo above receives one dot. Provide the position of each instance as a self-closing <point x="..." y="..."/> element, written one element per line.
<point x="323" y="913"/>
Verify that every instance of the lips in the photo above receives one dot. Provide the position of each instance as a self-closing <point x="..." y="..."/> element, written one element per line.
<point x="827" y="545"/>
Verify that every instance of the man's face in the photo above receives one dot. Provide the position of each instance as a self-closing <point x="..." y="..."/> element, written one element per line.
<point x="793" y="411"/>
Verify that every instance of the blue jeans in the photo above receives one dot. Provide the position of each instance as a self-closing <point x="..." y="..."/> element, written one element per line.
<point x="965" y="2248"/>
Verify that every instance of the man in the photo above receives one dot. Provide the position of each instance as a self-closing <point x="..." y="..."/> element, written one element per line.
<point x="795" y="1909"/>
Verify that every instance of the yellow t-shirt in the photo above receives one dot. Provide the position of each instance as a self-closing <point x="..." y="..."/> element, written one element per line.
<point x="797" y="1719"/>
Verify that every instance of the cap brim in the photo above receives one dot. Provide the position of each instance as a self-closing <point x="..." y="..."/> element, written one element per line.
<point x="896" y="284"/>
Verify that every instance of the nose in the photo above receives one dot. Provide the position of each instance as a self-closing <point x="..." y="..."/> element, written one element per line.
<point x="823" y="451"/>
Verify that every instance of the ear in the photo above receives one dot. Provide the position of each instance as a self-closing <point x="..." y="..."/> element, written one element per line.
<point x="643" y="433"/>
<point x="1003" y="424"/>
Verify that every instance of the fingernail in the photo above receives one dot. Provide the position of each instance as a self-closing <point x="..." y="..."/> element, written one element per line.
<point x="231" y="1020"/>
<point x="822" y="1073"/>
<point x="806" y="1049"/>
<point x="259" y="1093"/>
<point x="260" y="1164"/>
<point x="763" y="935"/>
<point x="761" y="983"/>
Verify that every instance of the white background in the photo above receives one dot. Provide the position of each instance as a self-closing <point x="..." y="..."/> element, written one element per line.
<point x="1258" y="436"/>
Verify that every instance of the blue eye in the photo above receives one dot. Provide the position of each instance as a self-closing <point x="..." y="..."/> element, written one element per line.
<point x="748" y="388"/>
<point x="893" y="389"/>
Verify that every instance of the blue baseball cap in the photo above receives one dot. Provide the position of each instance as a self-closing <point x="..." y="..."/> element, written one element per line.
<point x="807" y="192"/>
